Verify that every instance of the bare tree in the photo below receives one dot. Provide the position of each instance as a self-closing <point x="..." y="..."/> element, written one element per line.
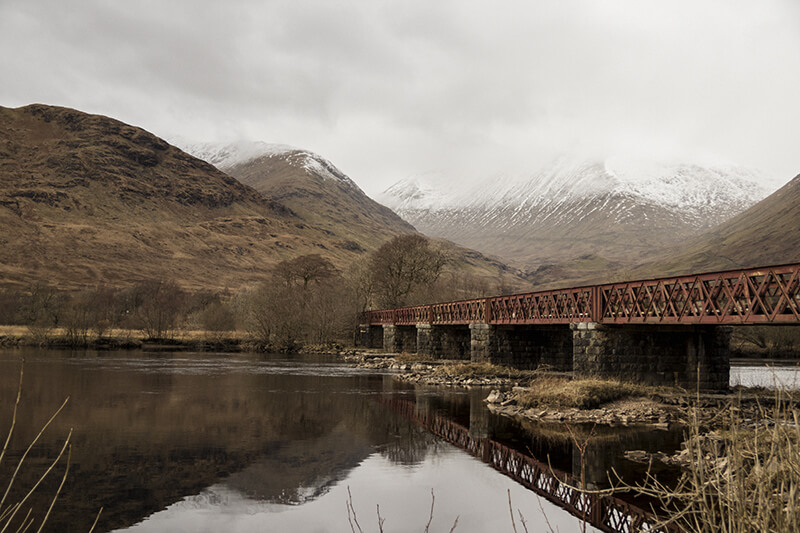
<point x="155" y="306"/>
<point x="401" y="265"/>
<point x="78" y="316"/>
<point x="41" y="309"/>
<point x="273" y="315"/>
<point x="10" y="305"/>
<point x="304" y="270"/>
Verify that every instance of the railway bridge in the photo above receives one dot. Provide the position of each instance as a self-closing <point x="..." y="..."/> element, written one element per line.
<point x="670" y="331"/>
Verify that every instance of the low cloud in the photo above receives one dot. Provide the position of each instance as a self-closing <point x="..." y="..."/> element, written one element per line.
<point x="389" y="89"/>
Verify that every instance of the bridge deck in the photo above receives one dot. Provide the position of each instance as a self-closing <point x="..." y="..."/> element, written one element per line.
<point x="767" y="295"/>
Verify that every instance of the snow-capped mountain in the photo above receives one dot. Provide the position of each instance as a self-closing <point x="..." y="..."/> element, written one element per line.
<point x="618" y="210"/>
<point x="309" y="185"/>
<point x="230" y="155"/>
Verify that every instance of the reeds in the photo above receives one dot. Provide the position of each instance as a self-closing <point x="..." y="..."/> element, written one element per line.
<point x="741" y="478"/>
<point x="15" y="514"/>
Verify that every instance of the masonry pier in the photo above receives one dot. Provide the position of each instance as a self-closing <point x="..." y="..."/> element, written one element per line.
<point x="525" y="347"/>
<point x="692" y="356"/>
<point x="684" y="356"/>
<point x="443" y="341"/>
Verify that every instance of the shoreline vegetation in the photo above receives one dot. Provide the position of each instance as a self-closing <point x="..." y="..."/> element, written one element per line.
<point x="739" y="462"/>
<point x="11" y="335"/>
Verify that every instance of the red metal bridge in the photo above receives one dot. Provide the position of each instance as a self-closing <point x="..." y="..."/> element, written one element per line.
<point x="766" y="295"/>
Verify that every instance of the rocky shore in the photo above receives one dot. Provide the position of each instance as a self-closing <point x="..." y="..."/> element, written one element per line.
<point x="630" y="411"/>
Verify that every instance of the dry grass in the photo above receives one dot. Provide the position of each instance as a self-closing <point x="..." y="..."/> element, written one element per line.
<point x="744" y="479"/>
<point x="589" y="393"/>
<point x="14" y="331"/>
<point x="126" y="334"/>
<point x="481" y="370"/>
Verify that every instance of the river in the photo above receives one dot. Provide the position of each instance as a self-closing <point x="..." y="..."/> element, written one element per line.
<point x="186" y="442"/>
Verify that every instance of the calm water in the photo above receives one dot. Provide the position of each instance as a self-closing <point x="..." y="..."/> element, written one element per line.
<point x="206" y="443"/>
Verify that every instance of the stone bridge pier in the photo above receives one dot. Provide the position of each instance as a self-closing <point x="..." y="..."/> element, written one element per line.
<point x="443" y="341"/>
<point x="688" y="356"/>
<point x="524" y="347"/>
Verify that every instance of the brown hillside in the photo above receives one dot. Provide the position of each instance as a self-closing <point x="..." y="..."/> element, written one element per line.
<point x="321" y="194"/>
<point x="766" y="234"/>
<point x="86" y="199"/>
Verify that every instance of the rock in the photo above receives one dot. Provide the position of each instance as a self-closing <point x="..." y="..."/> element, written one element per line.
<point x="637" y="456"/>
<point x="495" y="396"/>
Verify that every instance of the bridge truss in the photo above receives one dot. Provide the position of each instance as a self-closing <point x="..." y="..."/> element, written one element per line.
<point x="767" y="295"/>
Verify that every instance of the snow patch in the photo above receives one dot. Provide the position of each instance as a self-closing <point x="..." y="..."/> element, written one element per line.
<point x="689" y="192"/>
<point x="229" y="155"/>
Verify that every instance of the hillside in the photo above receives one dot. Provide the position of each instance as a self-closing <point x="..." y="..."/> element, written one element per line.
<point x="88" y="200"/>
<point x="577" y="219"/>
<point x="309" y="185"/>
<point x="766" y="234"/>
<point x="85" y="199"/>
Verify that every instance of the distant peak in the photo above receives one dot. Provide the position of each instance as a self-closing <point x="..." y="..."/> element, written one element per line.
<point x="226" y="155"/>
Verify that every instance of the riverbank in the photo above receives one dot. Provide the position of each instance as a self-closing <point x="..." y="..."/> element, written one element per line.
<point x="127" y="339"/>
<point x="541" y="396"/>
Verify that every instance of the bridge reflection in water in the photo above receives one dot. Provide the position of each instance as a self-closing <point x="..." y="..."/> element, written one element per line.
<point x="602" y="511"/>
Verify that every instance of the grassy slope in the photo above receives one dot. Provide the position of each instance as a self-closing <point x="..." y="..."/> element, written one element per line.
<point x="336" y="206"/>
<point x="86" y="199"/>
<point x="350" y="217"/>
<point x="766" y="234"/>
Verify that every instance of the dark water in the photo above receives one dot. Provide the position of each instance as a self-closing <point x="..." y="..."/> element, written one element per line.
<point x="218" y="442"/>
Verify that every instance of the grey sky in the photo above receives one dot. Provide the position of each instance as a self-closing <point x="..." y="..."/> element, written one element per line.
<point x="388" y="89"/>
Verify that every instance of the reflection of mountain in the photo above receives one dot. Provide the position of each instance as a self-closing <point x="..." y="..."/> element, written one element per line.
<point x="299" y="471"/>
<point x="147" y="436"/>
<point x="233" y="434"/>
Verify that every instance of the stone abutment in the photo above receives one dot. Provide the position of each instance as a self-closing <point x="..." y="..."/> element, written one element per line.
<point x="688" y="356"/>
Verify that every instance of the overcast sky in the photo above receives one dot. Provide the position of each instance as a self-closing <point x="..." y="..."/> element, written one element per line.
<point x="389" y="89"/>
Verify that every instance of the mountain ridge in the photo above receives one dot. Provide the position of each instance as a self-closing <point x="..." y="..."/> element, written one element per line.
<point x="572" y="209"/>
<point x="308" y="184"/>
<point x="86" y="199"/>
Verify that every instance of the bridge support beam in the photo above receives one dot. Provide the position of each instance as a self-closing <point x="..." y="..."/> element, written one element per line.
<point x="397" y="339"/>
<point x="443" y="342"/>
<point x="370" y="336"/>
<point x="686" y="356"/>
<point x="526" y="347"/>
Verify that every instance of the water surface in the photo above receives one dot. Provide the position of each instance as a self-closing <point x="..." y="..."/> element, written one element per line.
<point x="212" y="442"/>
<point x="208" y="442"/>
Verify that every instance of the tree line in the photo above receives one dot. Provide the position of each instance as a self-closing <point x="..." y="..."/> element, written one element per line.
<point x="305" y="300"/>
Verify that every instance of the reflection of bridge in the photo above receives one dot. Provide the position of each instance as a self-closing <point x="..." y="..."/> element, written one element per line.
<point x="604" y="512"/>
<point x="669" y="330"/>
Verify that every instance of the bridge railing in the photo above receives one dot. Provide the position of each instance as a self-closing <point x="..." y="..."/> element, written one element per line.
<point x="748" y="296"/>
<point x="558" y="306"/>
<point x="762" y="295"/>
